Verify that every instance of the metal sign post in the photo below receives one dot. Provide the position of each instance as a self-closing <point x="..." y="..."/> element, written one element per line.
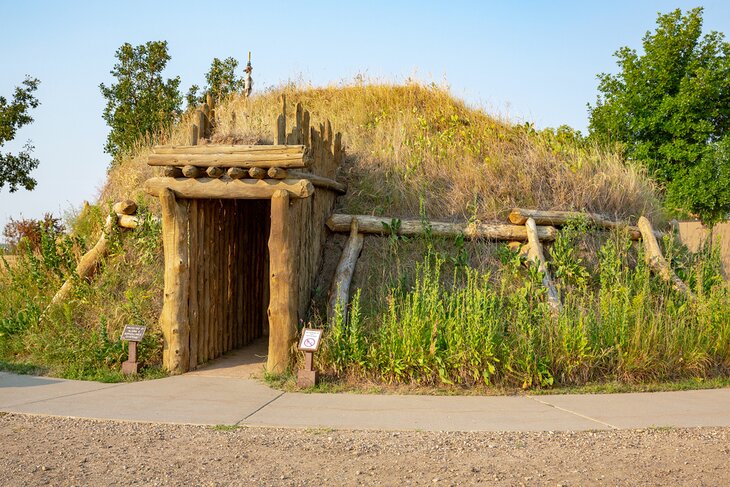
<point x="311" y="338"/>
<point x="132" y="334"/>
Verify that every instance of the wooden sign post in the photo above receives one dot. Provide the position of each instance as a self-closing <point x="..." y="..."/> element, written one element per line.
<point x="133" y="334"/>
<point x="311" y="339"/>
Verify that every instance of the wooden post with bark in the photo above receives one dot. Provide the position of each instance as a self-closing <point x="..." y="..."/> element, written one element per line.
<point x="89" y="261"/>
<point x="174" y="320"/>
<point x="536" y="255"/>
<point x="656" y="260"/>
<point x="282" y="284"/>
<point x="340" y="291"/>
<point x="495" y="231"/>
<point x="280" y="129"/>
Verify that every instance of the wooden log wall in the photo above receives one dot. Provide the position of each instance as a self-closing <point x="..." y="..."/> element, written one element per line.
<point x="228" y="276"/>
<point x="309" y="215"/>
<point x="234" y="223"/>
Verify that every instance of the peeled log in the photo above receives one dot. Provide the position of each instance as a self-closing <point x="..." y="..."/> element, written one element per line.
<point x="174" y="320"/>
<point x="229" y="188"/>
<point x="241" y="159"/>
<point x="340" y="291"/>
<point x="282" y="284"/>
<point x="132" y="221"/>
<point x="536" y="255"/>
<point x="656" y="260"/>
<point x="494" y="231"/>
<point x="127" y="207"/>
<point x="89" y="261"/>
<point x="320" y="181"/>
<point x="128" y="221"/>
<point x="519" y="216"/>
<point x="227" y="149"/>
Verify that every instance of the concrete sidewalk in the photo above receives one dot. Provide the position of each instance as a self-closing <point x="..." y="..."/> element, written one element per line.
<point x="196" y="399"/>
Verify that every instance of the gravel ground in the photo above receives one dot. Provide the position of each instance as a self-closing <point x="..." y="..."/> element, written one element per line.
<point x="60" y="451"/>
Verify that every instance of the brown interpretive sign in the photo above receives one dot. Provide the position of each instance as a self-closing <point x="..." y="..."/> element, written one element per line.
<point x="133" y="333"/>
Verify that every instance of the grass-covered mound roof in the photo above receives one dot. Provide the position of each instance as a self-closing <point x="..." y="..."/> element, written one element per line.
<point x="414" y="148"/>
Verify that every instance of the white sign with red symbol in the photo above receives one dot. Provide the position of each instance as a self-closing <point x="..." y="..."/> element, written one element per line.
<point x="311" y="338"/>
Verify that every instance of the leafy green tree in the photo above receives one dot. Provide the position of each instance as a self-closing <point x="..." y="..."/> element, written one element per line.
<point x="15" y="169"/>
<point x="669" y="108"/>
<point x="221" y="82"/>
<point x="141" y="103"/>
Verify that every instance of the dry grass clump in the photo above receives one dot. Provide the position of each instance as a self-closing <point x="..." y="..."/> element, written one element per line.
<point x="414" y="143"/>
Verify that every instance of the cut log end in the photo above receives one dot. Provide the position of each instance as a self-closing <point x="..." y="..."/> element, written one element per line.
<point x="237" y="173"/>
<point x="257" y="173"/>
<point x="192" y="172"/>
<point x="215" y="172"/>
<point x="277" y="173"/>
<point x="172" y="172"/>
<point x="126" y="207"/>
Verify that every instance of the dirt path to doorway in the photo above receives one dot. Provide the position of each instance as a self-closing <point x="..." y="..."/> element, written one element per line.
<point x="244" y="363"/>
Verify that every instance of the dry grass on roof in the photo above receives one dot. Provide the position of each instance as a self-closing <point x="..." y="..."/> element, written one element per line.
<point x="414" y="145"/>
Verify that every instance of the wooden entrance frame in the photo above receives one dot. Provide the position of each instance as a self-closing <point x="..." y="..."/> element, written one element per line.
<point x="297" y="176"/>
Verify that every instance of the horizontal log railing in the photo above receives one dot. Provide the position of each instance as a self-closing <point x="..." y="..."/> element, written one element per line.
<point x="519" y="216"/>
<point x="495" y="231"/>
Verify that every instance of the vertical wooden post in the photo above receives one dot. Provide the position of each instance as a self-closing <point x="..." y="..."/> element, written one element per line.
<point x="174" y="320"/>
<point x="202" y="280"/>
<point x="283" y="287"/>
<point x="214" y="281"/>
<point x="208" y="275"/>
<point x="280" y="130"/>
<point x="194" y="131"/>
<point x="200" y="116"/>
<point x="211" y="113"/>
<point x="340" y="291"/>
<point x="281" y="123"/>
<point x="655" y="259"/>
<point x="194" y="313"/>
<point x="219" y="242"/>
<point x="240" y="283"/>
<point x="299" y="123"/>
<point x="222" y="257"/>
<point x="304" y="130"/>
<point x="536" y="255"/>
<point x="229" y="253"/>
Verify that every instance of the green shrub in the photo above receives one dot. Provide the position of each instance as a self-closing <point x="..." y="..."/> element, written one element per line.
<point x="79" y="338"/>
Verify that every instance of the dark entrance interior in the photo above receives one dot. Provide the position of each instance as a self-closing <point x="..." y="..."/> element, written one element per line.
<point x="229" y="275"/>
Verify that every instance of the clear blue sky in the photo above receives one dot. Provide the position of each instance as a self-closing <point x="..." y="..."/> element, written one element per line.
<point x="531" y="61"/>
